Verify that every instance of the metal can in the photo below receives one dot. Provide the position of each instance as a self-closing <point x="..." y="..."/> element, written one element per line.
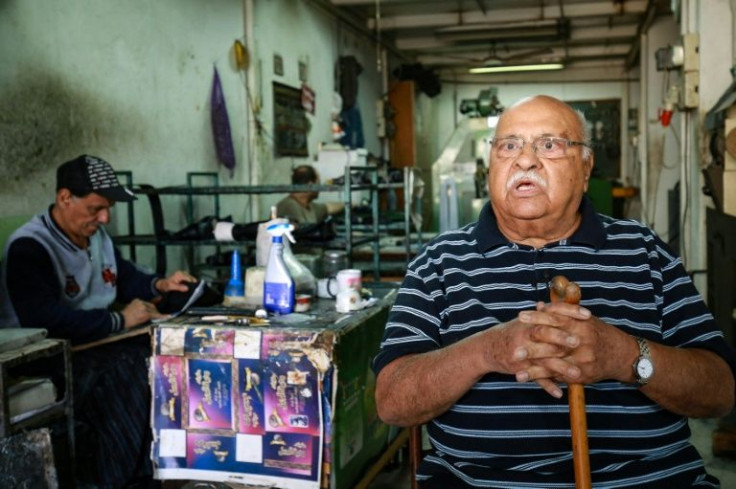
<point x="332" y="262"/>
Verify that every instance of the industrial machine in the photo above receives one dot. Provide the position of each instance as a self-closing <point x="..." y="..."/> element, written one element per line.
<point x="458" y="175"/>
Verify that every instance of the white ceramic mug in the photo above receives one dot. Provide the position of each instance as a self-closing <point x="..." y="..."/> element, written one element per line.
<point x="348" y="300"/>
<point x="350" y="278"/>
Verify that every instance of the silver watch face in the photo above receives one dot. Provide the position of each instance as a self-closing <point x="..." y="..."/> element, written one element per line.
<point x="644" y="368"/>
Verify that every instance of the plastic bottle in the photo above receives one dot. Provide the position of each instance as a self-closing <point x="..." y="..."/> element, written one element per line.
<point x="264" y="239"/>
<point x="278" y="286"/>
<point x="304" y="281"/>
<point x="235" y="286"/>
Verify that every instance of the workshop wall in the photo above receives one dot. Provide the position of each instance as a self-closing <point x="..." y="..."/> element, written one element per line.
<point x="131" y="82"/>
<point x="127" y="81"/>
<point x="300" y="32"/>
<point x="663" y="153"/>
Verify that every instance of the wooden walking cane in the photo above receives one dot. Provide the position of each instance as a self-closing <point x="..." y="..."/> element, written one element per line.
<point x="564" y="290"/>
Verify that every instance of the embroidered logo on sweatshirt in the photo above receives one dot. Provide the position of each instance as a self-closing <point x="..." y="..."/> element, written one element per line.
<point x="71" y="289"/>
<point x="108" y="276"/>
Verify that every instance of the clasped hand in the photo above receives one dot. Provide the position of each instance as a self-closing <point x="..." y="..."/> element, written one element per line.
<point x="560" y="342"/>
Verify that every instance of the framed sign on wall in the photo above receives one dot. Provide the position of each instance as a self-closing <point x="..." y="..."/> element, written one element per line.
<point x="290" y="121"/>
<point x="604" y="117"/>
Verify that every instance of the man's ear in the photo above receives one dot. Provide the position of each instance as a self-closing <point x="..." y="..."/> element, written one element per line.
<point x="588" y="171"/>
<point x="63" y="197"/>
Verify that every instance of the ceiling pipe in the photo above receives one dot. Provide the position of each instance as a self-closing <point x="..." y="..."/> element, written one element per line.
<point x="733" y="36"/>
<point x="481" y="6"/>
<point x="356" y="25"/>
<point x="633" y="57"/>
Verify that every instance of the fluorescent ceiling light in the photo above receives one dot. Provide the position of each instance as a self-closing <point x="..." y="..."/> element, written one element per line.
<point x="511" y="68"/>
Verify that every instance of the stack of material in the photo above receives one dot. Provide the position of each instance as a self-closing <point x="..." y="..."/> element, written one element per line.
<point x="14" y="338"/>
<point x="26" y="394"/>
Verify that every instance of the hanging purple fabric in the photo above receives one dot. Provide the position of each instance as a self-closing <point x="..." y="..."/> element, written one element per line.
<point x="221" y="126"/>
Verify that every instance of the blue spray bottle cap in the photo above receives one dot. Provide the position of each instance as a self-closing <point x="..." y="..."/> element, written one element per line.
<point x="280" y="229"/>
<point x="235" y="286"/>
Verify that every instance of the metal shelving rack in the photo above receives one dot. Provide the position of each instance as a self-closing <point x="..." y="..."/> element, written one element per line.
<point x="350" y="241"/>
<point x="406" y="186"/>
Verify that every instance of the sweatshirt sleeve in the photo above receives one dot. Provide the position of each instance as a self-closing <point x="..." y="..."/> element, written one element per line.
<point x="37" y="300"/>
<point x="132" y="283"/>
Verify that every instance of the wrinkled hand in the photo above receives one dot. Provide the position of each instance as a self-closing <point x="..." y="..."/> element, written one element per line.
<point x="595" y="350"/>
<point x="533" y="349"/>
<point x="175" y="282"/>
<point x="139" y="312"/>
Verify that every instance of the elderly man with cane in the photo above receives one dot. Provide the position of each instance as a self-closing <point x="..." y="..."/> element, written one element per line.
<point x="476" y="348"/>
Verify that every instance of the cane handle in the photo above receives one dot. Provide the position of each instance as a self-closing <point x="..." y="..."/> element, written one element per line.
<point x="562" y="289"/>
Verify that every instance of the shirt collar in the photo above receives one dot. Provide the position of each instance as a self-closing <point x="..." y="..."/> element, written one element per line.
<point x="590" y="232"/>
<point x="48" y="220"/>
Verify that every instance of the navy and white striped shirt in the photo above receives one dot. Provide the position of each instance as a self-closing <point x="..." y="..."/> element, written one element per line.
<point x="503" y="433"/>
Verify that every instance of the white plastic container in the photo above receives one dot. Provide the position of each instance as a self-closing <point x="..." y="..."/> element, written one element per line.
<point x="278" y="286"/>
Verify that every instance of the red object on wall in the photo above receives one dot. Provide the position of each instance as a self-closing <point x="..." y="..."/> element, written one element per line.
<point x="665" y="116"/>
<point x="308" y="98"/>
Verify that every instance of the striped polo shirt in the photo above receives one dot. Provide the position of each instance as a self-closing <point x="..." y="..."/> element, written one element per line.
<point x="506" y="434"/>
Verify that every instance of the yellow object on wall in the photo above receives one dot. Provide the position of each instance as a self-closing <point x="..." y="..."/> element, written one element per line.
<point x="241" y="55"/>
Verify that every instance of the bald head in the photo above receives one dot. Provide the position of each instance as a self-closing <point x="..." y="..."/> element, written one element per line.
<point x="536" y="191"/>
<point x="574" y="119"/>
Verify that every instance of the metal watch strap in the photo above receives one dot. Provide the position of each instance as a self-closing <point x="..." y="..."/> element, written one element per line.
<point x="643" y="347"/>
<point x="643" y="354"/>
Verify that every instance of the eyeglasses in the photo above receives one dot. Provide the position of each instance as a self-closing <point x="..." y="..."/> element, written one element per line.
<point x="544" y="146"/>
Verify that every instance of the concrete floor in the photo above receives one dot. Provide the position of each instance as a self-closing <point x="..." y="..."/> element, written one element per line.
<point x="724" y="469"/>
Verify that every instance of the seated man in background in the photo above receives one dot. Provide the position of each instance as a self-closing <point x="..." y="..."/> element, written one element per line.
<point x="61" y="272"/>
<point x="473" y="324"/>
<point x="300" y="207"/>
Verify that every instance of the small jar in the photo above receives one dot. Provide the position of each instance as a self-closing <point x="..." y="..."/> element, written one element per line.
<point x="332" y="262"/>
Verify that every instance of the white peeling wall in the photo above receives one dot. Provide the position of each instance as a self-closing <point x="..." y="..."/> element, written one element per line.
<point x="663" y="154"/>
<point x="131" y="82"/>
<point x="128" y="81"/>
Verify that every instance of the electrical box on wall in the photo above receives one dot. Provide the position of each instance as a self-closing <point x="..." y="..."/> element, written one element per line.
<point x="691" y="73"/>
<point x="669" y="58"/>
<point x="380" y="119"/>
<point x="691" y="52"/>
<point x="690" y="95"/>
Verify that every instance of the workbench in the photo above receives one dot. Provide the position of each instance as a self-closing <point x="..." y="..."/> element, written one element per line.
<point x="289" y="404"/>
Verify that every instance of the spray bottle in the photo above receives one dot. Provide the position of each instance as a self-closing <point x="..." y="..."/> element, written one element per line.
<point x="278" y="286"/>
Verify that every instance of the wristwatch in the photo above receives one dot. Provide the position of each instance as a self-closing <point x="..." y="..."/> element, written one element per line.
<point x="643" y="366"/>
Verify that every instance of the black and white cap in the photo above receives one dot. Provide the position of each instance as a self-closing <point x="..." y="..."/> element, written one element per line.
<point x="85" y="174"/>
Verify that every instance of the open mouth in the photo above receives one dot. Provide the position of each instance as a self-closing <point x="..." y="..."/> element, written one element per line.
<point x="525" y="185"/>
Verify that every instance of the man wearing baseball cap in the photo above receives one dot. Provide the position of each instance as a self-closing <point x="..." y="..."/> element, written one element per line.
<point x="61" y="271"/>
